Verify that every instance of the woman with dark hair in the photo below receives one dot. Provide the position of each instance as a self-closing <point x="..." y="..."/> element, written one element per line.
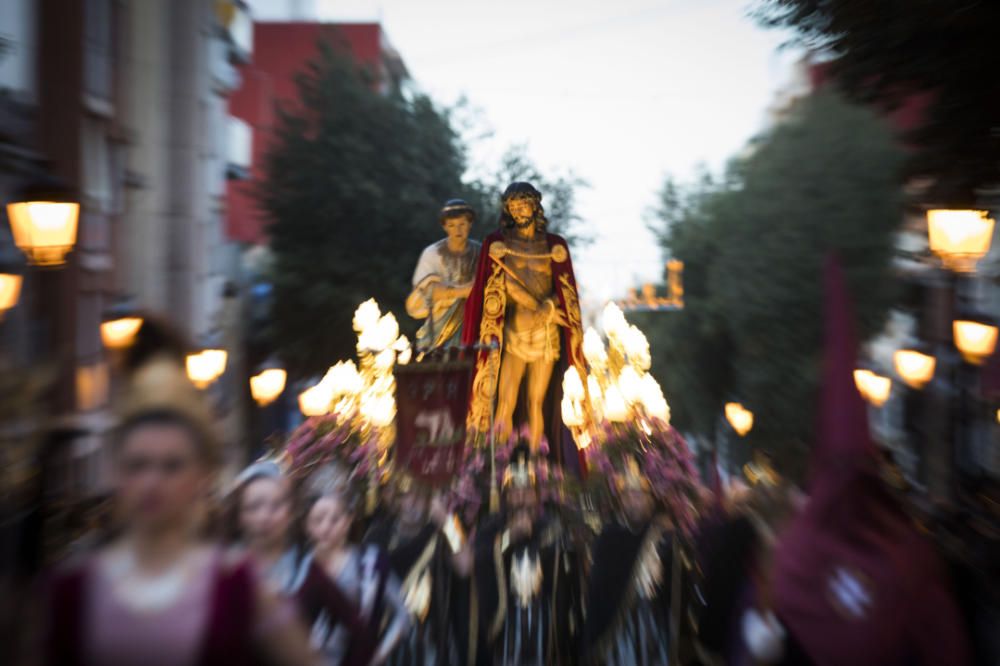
<point x="261" y="521"/>
<point x="158" y="594"/>
<point x="362" y="573"/>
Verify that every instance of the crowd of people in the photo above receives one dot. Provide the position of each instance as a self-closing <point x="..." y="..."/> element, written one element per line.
<point x="297" y="568"/>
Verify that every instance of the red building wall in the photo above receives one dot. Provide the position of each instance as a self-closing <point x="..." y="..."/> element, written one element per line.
<point x="281" y="50"/>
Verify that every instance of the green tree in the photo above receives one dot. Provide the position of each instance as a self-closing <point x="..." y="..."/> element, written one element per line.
<point x="558" y="195"/>
<point x="692" y="350"/>
<point x="352" y="186"/>
<point x="885" y="51"/>
<point x="754" y="243"/>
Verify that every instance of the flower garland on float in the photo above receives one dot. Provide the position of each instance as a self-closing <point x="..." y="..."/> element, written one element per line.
<point x="619" y="416"/>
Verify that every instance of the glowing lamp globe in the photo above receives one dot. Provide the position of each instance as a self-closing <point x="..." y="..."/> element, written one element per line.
<point x="216" y="360"/>
<point x="637" y="348"/>
<point x="404" y="350"/>
<point x="572" y="384"/>
<point x="630" y="385"/>
<point x="379" y="410"/>
<point x="266" y="386"/>
<point x="653" y="402"/>
<point x="976" y="340"/>
<point x="914" y="367"/>
<point x="593" y="349"/>
<point x="120" y="333"/>
<point x="315" y="401"/>
<point x="879" y="388"/>
<point x="200" y="370"/>
<point x="572" y="413"/>
<point x="615" y="409"/>
<point x="658" y="408"/>
<point x="404" y="357"/>
<point x="385" y="359"/>
<point x="44" y="230"/>
<point x="366" y="316"/>
<point x="959" y="237"/>
<point x="861" y="377"/>
<point x="739" y="417"/>
<point x="10" y="290"/>
<point x="386" y="332"/>
<point x="873" y="387"/>
<point x="613" y="321"/>
<point x="343" y="379"/>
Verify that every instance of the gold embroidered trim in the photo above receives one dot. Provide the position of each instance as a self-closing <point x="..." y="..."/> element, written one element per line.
<point x="572" y="304"/>
<point x="501" y="613"/>
<point x="484" y="386"/>
<point x="415" y="580"/>
<point x="650" y="572"/>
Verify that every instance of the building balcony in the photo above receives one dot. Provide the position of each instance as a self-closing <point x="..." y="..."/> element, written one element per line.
<point x="236" y="23"/>
<point x="239" y="149"/>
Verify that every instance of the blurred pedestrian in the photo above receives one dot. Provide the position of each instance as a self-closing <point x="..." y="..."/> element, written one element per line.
<point x="426" y="552"/>
<point x="362" y="573"/>
<point x="523" y="572"/>
<point x="262" y="508"/>
<point x="628" y="615"/>
<point x="158" y="594"/>
<point x="853" y="581"/>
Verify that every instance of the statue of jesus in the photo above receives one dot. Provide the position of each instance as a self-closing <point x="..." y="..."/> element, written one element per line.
<point x="524" y="314"/>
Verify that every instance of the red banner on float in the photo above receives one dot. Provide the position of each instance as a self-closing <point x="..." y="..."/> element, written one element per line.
<point x="432" y="401"/>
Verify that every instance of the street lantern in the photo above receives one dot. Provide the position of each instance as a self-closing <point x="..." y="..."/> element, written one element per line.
<point x="199" y="370"/>
<point x="43" y="220"/>
<point x="959" y="237"/>
<point x="739" y="417"/>
<point x="206" y="366"/>
<point x="976" y="340"/>
<point x="120" y="333"/>
<point x="10" y="291"/>
<point x="216" y="360"/>
<point x="914" y="367"/>
<point x="267" y="385"/>
<point x="120" y="324"/>
<point x="873" y="387"/>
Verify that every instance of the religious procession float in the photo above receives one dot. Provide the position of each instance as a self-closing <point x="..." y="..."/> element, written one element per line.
<point x="501" y="362"/>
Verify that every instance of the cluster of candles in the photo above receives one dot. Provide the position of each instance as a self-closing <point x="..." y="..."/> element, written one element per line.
<point x="618" y="386"/>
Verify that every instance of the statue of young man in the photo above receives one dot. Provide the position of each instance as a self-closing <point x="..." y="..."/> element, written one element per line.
<point x="524" y="296"/>
<point x="443" y="279"/>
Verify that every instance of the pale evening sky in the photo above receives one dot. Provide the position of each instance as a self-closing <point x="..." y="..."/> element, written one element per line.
<point x="621" y="93"/>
